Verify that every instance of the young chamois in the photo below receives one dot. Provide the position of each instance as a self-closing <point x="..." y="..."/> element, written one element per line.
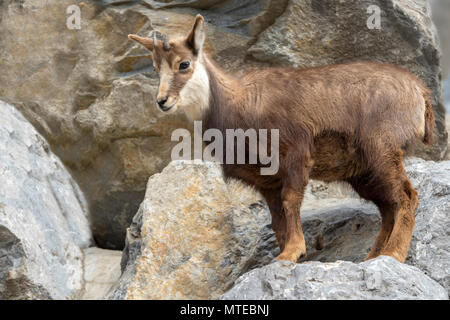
<point x="349" y="122"/>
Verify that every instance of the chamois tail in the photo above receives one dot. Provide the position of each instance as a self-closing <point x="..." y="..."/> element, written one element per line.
<point x="429" y="121"/>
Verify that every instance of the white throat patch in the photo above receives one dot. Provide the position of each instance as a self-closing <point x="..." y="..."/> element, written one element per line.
<point x="195" y="94"/>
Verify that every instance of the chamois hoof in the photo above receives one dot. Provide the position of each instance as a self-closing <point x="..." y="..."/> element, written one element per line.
<point x="288" y="256"/>
<point x="397" y="256"/>
<point x="394" y="254"/>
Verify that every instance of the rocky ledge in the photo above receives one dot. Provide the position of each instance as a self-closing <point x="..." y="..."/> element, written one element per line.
<point x="380" y="278"/>
<point x="43" y="216"/>
<point x="196" y="236"/>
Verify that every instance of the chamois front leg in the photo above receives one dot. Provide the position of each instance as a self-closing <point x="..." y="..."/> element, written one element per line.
<point x="273" y="200"/>
<point x="292" y="196"/>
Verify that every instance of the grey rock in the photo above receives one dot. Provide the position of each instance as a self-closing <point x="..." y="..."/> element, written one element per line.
<point x="333" y="231"/>
<point x="200" y="4"/>
<point x="192" y="237"/>
<point x="43" y="216"/>
<point x="429" y="250"/>
<point x="91" y="92"/>
<point x="336" y="223"/>
<point x="447" y="123"/>
<point x="101" y="272"/>
<point x="80" y="89"/>
<point x="383" y="278"/>
<point x="441" y="18"/>
<point x="340" y="226"/>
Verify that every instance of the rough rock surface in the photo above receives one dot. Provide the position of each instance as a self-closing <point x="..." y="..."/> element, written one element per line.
<point x="380" y="278"/>
<point x="164" y="255"/>
<point x="101" y="272"/>
<point x="90" y="92"/>
<point x="339" y="226"/>
<point x="447" y="123"/>
<point x="429" y="250"/>
<point x="314" y="33"/>
<point x="192" y="237"/>
<point x="43" y="216"/>
<point x="81" y="90"/>
<point x="441" y="18"/>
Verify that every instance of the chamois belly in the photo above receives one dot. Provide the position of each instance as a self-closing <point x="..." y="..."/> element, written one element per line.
<point x="250" y="174"/>
<point x="335" y="158"/>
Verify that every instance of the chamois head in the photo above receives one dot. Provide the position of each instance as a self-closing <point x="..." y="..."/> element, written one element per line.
<point x="183" y="79"/>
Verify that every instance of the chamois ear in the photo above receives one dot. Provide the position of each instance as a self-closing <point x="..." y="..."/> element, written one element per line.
<point x="196" y="37"/>
<point x="146" y="42"/>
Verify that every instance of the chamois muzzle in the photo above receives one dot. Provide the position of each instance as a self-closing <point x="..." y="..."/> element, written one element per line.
<point x="162" y="106"/>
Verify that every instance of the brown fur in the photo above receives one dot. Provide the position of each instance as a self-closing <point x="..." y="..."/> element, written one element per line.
<point x="348" y="122"/>
<point x="428" y="137"/>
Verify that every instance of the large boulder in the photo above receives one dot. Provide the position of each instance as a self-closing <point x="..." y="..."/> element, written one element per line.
<point x="383" y="278"/>
<point x="192" y="237"/>
<point x="429" y="250"/>
<point x="90" y="91"/>
<point x="447" y="121"/>
<point x="43" y="216"/>
<point x="340" y="226"/>
<point x="337" y="226"/>
<point x="441" y="18"/>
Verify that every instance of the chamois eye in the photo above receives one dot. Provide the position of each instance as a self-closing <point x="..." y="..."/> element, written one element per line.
<point x="184" y="65"/>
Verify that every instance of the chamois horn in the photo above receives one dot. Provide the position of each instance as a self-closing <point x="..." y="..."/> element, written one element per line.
<point x="153" y="34"/>
<point x="165" y="39"/>
<point x="166" y="44"/>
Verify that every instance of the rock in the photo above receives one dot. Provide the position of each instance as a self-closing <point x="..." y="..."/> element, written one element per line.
<point x="192" y="237"/>
<point x="339" y="226"/>
<point x="383" y="278"/>
<point x="137" y="143"/>
<point x="87" y="99"/>
<point x="314" y="33"/>
<point x="429" y="250"/>
<point x="90" y="91"/>
<point x="441" y="18"/>
<point x="43" y="216"/>
<point x="101" y="272"/>
<point x="200" y="4"/>
<point x="164" y="255"/>
<point x="447" y="124"/>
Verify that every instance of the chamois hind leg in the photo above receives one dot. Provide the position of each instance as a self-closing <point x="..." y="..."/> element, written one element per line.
<point x="399" y="240"/>
<point x="295" y="179"/>
<point x="273" y="199"/>
<point x="369" y="191"/>
<point x="389" y="188"/>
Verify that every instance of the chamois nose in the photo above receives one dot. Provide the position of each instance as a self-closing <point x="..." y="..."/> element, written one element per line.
<point x="162" y="102"/>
